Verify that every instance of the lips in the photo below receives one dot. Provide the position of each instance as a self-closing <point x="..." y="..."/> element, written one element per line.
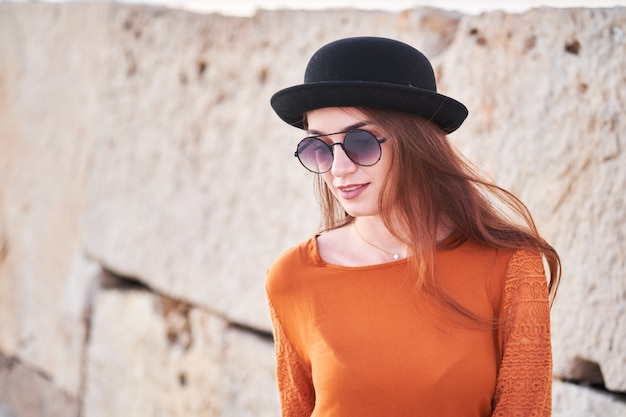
<point x="350" y="188"/>
<point x="348" y="192"/>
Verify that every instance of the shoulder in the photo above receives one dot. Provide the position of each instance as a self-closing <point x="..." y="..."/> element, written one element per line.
<point x="525" y="262"/>
<point x="525" y="276"/>
<point x="504" y="272"/>
<point x="507" y="262"/>
<point x="286" y="269"/>
<point x="470" y="257"/>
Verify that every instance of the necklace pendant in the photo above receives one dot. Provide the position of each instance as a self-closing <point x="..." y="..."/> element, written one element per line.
<point x="396" y="256"/>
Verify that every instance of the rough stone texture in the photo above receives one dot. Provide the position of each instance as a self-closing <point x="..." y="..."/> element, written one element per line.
<point x="173" y="360"/>
<point x="47" y="111"/>
<point x="577" y="401"/>
<point x="546" y="121"/>
<point x="140" y="141"/>
<point x="26" y="393"/>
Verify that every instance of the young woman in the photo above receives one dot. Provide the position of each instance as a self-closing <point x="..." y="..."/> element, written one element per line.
<point x="425" y="293"/>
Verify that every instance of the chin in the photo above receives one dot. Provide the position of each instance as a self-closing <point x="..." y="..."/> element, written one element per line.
<point x="360" y="211"/>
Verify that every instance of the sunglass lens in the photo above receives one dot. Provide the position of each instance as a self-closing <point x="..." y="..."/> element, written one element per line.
<point x="362" y="147"/>
<point x="315" y="155"/>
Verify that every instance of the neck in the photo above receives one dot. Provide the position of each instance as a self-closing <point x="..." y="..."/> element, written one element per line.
<point x="373" y="229"/>
<point x="373" y="232"/>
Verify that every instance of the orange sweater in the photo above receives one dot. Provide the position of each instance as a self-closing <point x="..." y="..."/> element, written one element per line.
<point x="362" y="341"/>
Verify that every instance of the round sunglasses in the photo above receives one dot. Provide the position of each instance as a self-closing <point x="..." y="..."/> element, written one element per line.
<point x="361" y="146"/>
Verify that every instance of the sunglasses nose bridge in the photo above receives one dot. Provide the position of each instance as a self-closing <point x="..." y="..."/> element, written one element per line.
<point x="331" y="146"/>
<point x="342" y="162"/>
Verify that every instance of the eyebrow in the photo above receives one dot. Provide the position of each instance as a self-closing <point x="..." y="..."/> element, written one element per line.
<point x="346" y="129"/>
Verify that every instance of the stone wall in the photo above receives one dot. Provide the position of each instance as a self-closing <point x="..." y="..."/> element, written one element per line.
<point x="145" y="186"/>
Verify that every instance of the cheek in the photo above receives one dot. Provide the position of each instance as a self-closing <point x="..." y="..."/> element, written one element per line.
<point x="328" y="183"/>
<point x="383" y="166"/>
<point x="328" y="179"/>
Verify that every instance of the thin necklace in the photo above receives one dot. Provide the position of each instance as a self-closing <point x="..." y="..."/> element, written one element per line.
<point x="395" y="255"/>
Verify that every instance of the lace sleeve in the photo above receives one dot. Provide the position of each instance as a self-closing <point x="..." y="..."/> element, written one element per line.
<point x="524" y="385"/>
<point x="297" y="396"/>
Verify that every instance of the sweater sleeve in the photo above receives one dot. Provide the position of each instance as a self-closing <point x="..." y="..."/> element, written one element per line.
<point x="524" y="384"/>
<point x="295" y="387"/>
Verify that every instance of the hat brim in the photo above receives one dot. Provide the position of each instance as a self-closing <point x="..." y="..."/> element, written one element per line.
<point x="290" y="104"/>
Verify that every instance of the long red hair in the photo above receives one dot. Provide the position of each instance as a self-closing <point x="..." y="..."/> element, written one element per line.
<point x="431" y="182"/>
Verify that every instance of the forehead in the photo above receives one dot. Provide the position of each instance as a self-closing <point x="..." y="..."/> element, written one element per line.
<point x="334" y="119"/>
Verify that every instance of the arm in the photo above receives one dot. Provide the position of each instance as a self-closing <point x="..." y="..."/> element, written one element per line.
<point x="524" y="384"/>
<point x="297" y="395"/>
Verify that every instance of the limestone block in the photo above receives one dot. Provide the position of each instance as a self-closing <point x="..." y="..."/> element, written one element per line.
<point x="569" y="400"/>
<point x="150" y="355"/>
<point x="194" y="189"/>
<point x="546" y="93"/>
<point x="26" y="393"/>
<point x="47" y="109"/>
<point x="143" y="137"/>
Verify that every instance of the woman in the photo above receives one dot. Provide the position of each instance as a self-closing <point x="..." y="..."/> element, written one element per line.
<point x="420" y="297"/>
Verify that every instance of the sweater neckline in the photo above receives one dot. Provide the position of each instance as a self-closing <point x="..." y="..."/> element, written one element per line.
<point x="453" y="240"/>
<point x="317" y="258"/>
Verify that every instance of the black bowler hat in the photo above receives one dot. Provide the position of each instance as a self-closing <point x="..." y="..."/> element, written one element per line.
<point x="369" y="72"/>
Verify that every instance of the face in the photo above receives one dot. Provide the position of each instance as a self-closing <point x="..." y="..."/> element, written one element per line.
<point x="356" y="187"/>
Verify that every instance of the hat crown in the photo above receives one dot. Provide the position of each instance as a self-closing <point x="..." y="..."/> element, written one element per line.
<point x="372" y="60"/>
<point x="369" y="72"/>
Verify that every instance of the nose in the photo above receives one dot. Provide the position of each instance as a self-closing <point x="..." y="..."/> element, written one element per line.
<point x="342" y="165"/>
